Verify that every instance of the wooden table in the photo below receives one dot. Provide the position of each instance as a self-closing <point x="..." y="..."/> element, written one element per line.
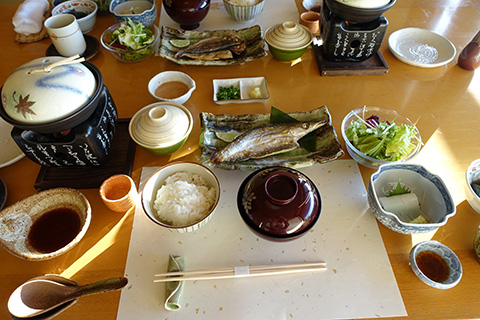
<point x="443" y="101"/>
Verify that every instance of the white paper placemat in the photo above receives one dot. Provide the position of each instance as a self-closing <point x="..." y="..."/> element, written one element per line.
<point x="274" y="12"/>
<point x="358" y="283"/>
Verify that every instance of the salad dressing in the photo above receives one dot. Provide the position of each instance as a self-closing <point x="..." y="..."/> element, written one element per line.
<point x="171" y="90"/>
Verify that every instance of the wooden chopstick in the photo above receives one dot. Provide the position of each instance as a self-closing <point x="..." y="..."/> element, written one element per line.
<point x="240" y="272"/>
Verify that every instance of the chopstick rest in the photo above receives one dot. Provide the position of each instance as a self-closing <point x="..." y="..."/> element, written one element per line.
<point x="174" y="289"/>
<point x="240" y="272"/>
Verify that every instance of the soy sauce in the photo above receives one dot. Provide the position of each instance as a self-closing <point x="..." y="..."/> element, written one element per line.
<point x="54" y="230"/>
<point x="433" y="266"/>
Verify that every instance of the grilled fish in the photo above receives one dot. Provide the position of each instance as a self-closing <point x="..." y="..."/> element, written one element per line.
<point x="265" y="141"/>
<point x="213" y="44"/>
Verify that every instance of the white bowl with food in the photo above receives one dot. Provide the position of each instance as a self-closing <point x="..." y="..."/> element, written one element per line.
<point x="172" y="86"/>
<point x="472" y="186"/>
<point x="407" y="198"/>
<point x="85" y="11"/>
<point x="181" y="196"/>
<point x="375" y="136"/>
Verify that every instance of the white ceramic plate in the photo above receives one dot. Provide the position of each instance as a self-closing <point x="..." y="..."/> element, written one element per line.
<point x="10" y="152"/>
<point x="245" y="85"/>
<point x="421" y="48"/>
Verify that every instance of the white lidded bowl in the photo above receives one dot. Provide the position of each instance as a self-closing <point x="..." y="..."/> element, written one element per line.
<point x="473" y="175"/>
<point x="161" y="127"/>
<point x="453" y="262"/>
<point x="169" y="76"/>
<point x="436" y="203"/>
<point x="85" y="6"/>
<point x="155" y="182"/>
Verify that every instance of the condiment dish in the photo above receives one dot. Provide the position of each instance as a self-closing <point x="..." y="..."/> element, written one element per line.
<point x="46" y="224"/>
<point x="252" y="89"/>
<point x="436" y="264"/>
<point x="435" y="204"/>
<point x="391" y="116"/>
<point x="179" y="86"/>
<point x="472" y="185"/>
<point x="143" y="11"/>
<point x="84" y="10"/>
<point x="157" y="180"/>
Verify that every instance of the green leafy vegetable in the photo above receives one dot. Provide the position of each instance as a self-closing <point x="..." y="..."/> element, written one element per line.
<point x="382" y="140"/>
<point x="399" y="189"/>
<point x="132" y="36"/>
<point x="228" y="93"/>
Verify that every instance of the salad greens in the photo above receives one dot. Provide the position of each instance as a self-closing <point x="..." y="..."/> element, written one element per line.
<point x="382" y="140"/>
<point x="228" y="93"/>
<point x="132" y="36"/>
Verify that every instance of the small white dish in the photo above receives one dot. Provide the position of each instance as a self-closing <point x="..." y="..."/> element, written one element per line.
<point x="172" y="76"/>
<point x="11" y="153"/>
<point x="245" y="85"/>
<point x="421" y="48"/>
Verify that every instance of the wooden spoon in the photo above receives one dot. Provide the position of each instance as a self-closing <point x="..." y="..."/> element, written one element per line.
<point x="42" y="294"/>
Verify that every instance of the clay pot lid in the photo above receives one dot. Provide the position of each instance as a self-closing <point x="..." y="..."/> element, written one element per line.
<point x="288" y="35"/>
<point x="365" y="4"/>
<point x="279" y="202"/>
<point x="44" y="97"/>
<point x="161" y="124"/>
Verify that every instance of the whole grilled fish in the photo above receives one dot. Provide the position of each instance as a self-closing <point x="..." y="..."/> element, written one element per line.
<point x="264" y="141"/>
<point x="213" y="44"/>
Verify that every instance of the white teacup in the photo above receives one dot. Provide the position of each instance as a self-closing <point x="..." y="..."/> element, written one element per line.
<point x="66" y="35"/>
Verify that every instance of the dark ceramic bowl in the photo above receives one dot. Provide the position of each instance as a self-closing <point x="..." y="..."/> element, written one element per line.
<point x="187" y="13"/>
<point x="279" y="203"/>
<point x="357" y="15"/>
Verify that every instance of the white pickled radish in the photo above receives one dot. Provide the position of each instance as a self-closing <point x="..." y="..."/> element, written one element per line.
<point x="405" y="206"/>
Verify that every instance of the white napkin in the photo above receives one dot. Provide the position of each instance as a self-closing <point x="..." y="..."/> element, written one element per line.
<point x="28" y="18"/>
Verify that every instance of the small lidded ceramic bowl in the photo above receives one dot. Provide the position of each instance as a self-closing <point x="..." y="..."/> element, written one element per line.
<point x="279" y="203"/>
<point x="436" y="264"/>
<point x="85" y="11"/>
<point x="144" y="11"/>
<point x="288" y="41"/>
<point x="181" y="196"/>
<point x="243" y="11"/>
<point x="46" y="224"/>
<point x="472" y="187"/>
<point x="427" y="206"/>
<point x="161" y="128"/>
<point x="178" y="86"/>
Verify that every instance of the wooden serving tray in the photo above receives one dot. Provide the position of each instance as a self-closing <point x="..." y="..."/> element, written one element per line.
<point x="374" y="65"/>
<point x="120" y="161"/>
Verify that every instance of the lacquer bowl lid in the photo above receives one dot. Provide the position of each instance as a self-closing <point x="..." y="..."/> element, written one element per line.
<point x="43" y="97"/>
<point x="279" y="203"/>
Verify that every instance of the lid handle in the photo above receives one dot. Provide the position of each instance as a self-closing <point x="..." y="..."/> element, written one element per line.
<point x="290" y="26"/>
<point x="71" y="60"/>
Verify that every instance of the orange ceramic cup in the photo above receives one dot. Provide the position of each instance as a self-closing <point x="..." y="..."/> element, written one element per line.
<point x="311" y="20"/>
<point x="119" y="193"/>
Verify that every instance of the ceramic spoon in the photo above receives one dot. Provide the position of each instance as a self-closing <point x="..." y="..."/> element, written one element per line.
<point x="42" y="294"/>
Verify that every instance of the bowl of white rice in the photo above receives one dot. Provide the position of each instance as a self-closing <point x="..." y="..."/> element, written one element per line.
<point x="243" y="10"/>
<point x="181" y="196"/>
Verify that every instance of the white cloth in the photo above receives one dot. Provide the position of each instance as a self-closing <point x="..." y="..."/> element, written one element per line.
<point x="28" y="19"/>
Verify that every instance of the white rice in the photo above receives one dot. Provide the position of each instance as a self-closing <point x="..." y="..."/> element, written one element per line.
<point x="245" y="3"/>
<point x="184" y="199"/>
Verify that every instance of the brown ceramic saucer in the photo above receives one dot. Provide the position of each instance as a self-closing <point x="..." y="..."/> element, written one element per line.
<point x="92" y="48"/>
<point x="279" y="203"/>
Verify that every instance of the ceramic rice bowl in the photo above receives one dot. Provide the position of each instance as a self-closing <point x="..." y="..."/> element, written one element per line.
<point x="90" y="8"/>
<point x="436" y="203"/>
<point x="155" y="182"/>
<point x="243" y="13"/>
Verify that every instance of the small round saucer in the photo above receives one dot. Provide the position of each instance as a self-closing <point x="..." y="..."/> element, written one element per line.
<point x="92" y="48"/>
